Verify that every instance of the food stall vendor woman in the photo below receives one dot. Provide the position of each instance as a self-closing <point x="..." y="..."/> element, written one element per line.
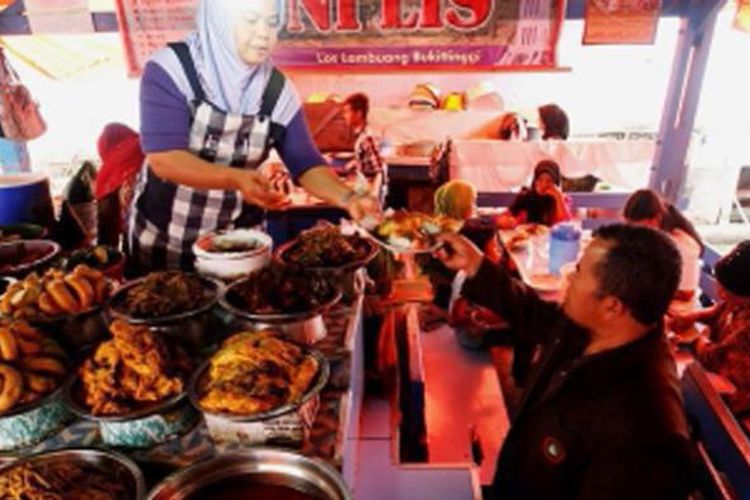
<point x="211" y="109"/>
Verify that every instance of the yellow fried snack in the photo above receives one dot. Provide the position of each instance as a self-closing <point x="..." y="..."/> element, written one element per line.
<point x="132" y="369"/>
<point x="11" y="387"/>
<point x="255" y="372"/>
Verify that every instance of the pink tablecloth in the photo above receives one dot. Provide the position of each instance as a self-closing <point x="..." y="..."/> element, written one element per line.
<point x="493" y="165"/>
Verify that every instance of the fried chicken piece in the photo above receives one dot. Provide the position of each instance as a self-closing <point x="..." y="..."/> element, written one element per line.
<point x="134" y="367"/>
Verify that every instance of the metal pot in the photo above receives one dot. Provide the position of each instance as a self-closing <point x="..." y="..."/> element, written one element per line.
<point x="347" y="276"/>
<point x="305" y="327"/>
<point x="287" y="424"/>
<point x="9" y="251"/>
<point x="195" y="330"/>
<point x="244" y="472"/>
<point x="76" y="333"/>
<point x="30" y="424"/>
<point x="143" y="428"/>
<point x="111" y="464"/>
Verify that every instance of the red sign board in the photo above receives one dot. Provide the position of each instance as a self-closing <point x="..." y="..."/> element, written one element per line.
<point x="362" y="35"/>
<point x="621" y="21"/>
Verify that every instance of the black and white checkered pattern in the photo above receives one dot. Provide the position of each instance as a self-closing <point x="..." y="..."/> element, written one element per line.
<point x="217" y="137"/>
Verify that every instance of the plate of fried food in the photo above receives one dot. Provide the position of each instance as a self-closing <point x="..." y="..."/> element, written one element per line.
<point x="259" y="387"/>
<point x="32" y="371"/>
<point x="164" y="296"/>
<point x="127" y="380"/>
<point x="280" y="293"/>
<point x="402" y="231"/>
<point x="72" y="474"/>
<point x="55" y="294"/>
<point x="258" y="375"/>
<point x="325" y="248"/>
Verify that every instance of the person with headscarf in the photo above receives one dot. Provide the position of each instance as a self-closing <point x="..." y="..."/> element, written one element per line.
<point x="725" y="346"/>
<point x="543" y="203"/>
<point x="212" y="106"/>
<point x="120" y="152"/>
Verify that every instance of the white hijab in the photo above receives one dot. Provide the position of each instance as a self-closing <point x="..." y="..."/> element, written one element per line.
<point x="230" y="82"/>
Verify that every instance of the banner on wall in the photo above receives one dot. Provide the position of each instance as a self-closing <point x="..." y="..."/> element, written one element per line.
<point x="59" y="16"/>
<point x="376" y="35"/>
<point x="742" y="17"/>
<point x="621" y="21"/>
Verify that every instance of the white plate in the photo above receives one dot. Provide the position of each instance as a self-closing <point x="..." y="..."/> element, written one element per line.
<point x="404" y="249"/>
<point x="263" y="240"/>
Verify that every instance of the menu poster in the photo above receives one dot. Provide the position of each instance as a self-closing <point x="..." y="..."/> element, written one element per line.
<point x="147" y="26"/>
<point x="59" y="16"/>
<point x="742" y="18"/>
<point x="621" y="22"/>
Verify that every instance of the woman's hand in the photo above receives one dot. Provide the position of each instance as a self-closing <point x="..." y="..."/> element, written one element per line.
<point x="555" y="192"/>
<point x="257" y="190"/>
<point x="363" y="207"/>
<point x="459" y="254"/>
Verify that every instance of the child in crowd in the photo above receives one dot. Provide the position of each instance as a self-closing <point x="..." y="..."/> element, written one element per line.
<point x="726" y="348"/>
<point x="543" y="203"/>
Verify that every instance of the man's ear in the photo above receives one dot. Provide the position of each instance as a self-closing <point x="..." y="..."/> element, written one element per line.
<point x="613" y="307"/>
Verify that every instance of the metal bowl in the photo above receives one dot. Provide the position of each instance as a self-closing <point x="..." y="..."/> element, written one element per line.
<point x="259" y="467"/>
<point x="226" y="301"/>
<point x="141" y="428"/>
<point x="30" y="424"/>
<point x="114" y="465"/>
<point x="283" y="257"/>
<point x="194" y="329"/>
<point x="77" y="332"/>
<point x="319" y="382"/>
<point x="8" y="250"/>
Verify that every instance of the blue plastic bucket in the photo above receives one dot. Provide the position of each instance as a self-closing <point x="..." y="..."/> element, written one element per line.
<point x="25" y="198"/>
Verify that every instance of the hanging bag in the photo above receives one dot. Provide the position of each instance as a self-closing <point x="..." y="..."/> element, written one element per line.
<point x="19" y="116"/>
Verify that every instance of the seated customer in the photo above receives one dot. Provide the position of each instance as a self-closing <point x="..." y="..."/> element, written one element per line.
<point x="543" y="203"/>
<point x="647" y="208"/>
<point x="602" y="414"/>
<point x="726" y="348"/>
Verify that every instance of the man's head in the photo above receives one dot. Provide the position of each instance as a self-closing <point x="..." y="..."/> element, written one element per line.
<point x="356" y="109"/>
<point x="733" y="272"/>
<point x="627" y="275"/>
<point x="644" y="207"/>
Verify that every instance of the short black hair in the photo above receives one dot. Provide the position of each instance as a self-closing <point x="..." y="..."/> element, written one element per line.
<point x="646" y="204"/>
<point x="642" y="269"/>
<point x="643" y="204"/>
<point x="359" y="102"/>
<point x="555" y="120"/>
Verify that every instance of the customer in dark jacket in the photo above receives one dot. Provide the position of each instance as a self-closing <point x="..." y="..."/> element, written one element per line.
<point x="602" y="415"/>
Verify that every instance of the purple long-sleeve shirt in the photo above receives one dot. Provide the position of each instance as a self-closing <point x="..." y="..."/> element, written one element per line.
<point x="165" y="124"/>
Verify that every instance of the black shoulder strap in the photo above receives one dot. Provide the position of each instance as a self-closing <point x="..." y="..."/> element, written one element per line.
<point x="186" y="60"/>
<point x="273" y="90"/>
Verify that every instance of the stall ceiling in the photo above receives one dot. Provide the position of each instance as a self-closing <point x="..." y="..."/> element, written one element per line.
<point x="63" y="56"/>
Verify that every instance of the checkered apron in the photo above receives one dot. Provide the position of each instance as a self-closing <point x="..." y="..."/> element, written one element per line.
<point x="169" y="217"/>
